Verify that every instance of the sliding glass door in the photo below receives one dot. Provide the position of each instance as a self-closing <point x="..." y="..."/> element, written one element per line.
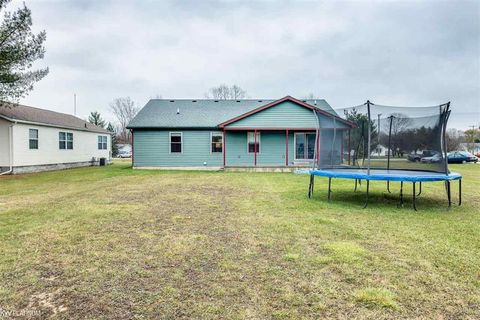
<point x="304" y="146"/>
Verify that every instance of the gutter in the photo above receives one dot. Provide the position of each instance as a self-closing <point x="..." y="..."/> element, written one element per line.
<point x="10" y="138"/>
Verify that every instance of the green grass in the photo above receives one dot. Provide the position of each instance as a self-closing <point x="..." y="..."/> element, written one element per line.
<point x="120" y="243"/>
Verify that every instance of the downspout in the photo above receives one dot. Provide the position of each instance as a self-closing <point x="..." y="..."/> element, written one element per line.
<point x="10" y="138"/>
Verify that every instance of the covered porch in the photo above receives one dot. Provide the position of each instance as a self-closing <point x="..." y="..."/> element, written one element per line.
<point x="269" y="147"/>
<point x="278" y="148"/>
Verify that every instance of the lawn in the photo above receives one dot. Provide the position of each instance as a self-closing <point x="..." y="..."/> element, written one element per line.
<point x="120" y="243"/>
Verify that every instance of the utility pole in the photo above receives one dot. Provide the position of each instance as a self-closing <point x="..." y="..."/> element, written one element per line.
<point x="75" y="104"/>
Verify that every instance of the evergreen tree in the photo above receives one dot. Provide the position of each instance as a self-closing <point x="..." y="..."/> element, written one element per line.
<point x="19" y="49"/>
<point x="96" y="119"/>
<point x="111" y="129"/>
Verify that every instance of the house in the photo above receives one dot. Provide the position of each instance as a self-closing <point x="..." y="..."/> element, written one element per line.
<point x="33" y="139"/>
<point x="215" y="134"/>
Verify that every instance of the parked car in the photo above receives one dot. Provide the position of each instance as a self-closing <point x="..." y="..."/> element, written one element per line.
<point x="433" y="159"/>
<point x="124" y="154"/>
<point x="461" y="157"/>
<point x="416" y="157"/>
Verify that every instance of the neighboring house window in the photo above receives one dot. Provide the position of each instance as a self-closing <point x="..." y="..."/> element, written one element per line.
<point x="304" y="145"/>
<point x="33" y="138"/>
<point x="65" y="140"/>
<point x="175" y="142"/>
<point x="251" y="142"/>
<point x="216" y="142"/>
<point x="102" y="142"/>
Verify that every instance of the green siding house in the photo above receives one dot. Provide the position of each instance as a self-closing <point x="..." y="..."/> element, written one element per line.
<point x="215" y="134"/>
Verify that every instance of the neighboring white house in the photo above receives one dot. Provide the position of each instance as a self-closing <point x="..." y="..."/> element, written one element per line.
<point x="33" y="139"/>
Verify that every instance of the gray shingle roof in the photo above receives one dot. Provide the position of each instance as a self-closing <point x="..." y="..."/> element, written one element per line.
<point x="22" y="113"/>
<point x="204" y="113"/>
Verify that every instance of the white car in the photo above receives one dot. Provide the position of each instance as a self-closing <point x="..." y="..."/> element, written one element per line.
<point x="124" y="154"/>
<point x="433" y="159"/>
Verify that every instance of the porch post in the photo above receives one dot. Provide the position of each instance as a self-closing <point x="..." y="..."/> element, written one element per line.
<point x="255" y="147"/>
<point x="224" y="145"/>
<point x="286" y="147"/>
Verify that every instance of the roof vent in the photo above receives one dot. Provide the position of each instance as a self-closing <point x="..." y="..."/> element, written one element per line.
<point x="238" y="100"/>
<point x="260" y="100"/>
<point x="178" y="110"/>
<point x="172" y="100"/>
<point x="194" y="100"/>
<point x="315" y="102"/>
<point x="216" y="100"/>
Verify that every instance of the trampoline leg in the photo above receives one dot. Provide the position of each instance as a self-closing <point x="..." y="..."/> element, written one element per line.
<point x="414" y="194"/>
<point x="449" y="194"/>
<point x="459" y="192"/>
<point x="420" y="191"/>
<point x="366" y="195"/>
<point x="355" y="190"/>
<point x="388" y="186"/>
<point x="310" y="186"/>
<point x="401" y="195"/>
<point x="329" y="188"/>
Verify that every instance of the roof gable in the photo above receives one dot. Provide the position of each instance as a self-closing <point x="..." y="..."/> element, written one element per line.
<point x="300" y="103"/>
<point x="286" y="114"/>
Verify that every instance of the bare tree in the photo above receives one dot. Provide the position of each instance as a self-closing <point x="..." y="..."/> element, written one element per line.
<point x="453" y="137"/>
<point x="124" y="110"/>
<point x="224" y="92"/>
<point x="310" y="96"/>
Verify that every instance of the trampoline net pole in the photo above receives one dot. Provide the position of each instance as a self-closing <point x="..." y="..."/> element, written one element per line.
<point x="316" y="160"/>
<point x="332" y="150"/>
<point x="446" y="115"/>
<point x="369" y="137"/>
<point x="389" y="142"/>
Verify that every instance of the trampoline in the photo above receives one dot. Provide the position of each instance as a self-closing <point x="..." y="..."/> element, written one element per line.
<point x="383" y="143"/>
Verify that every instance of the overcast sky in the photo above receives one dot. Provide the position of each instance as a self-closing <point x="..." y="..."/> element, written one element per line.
<point x="396" y="53"/>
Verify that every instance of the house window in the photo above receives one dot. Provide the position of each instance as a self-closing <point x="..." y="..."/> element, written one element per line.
<point x="33" y="138"/>
<point x="304" y="145"/>
<point x="102" y="142"/>
<point x="251" y="142"/>
<point x="216" y="142"/>
<point x="65" y="140"/>
<point x="176" y="142"/>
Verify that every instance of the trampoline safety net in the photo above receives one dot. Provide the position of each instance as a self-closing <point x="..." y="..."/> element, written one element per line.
<point x="372" y="136"/>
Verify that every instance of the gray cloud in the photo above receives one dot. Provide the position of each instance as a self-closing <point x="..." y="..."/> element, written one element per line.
<point x="403" y="53"/>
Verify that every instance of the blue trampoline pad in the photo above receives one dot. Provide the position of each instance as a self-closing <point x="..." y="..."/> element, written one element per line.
<point x="385" y="175"/>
